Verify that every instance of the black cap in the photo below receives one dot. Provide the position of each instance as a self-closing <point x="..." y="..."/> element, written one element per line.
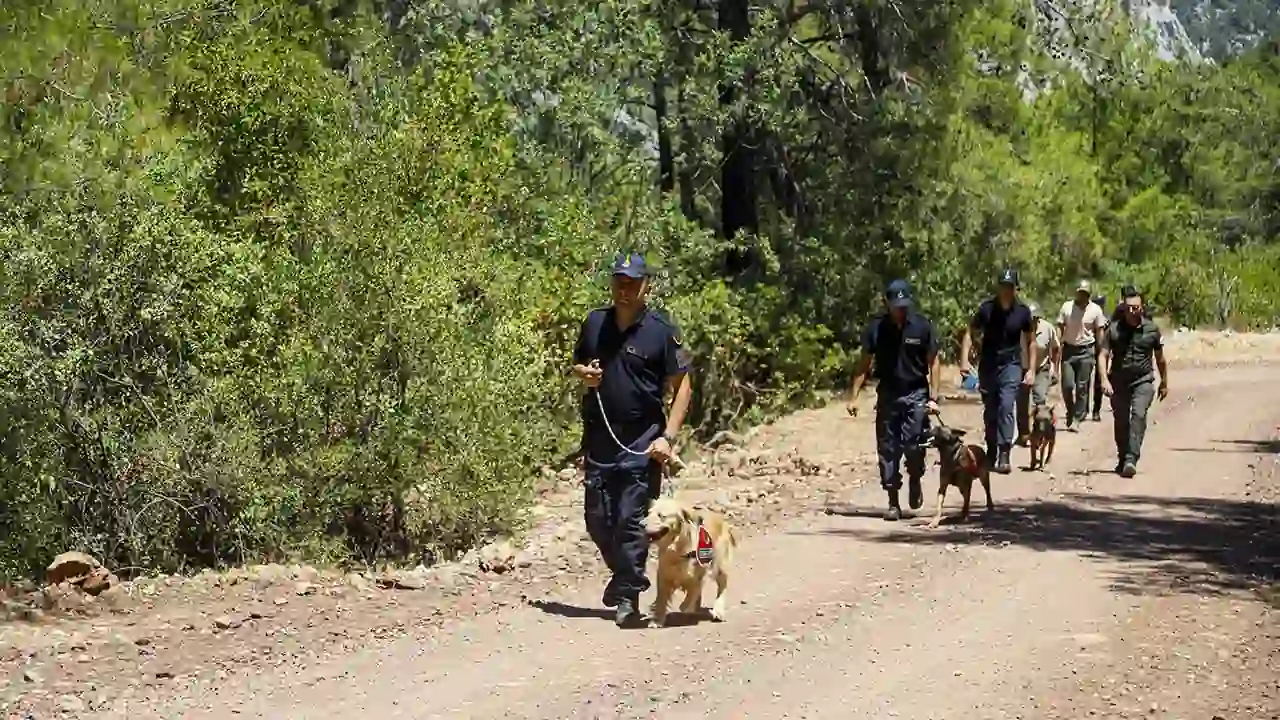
<point x="1008" y="276"/>
<point x="630" y="265"/>
<point x="1129" y="291"/>
<point x="898" y="294"/>
<point x="1100" y="300"/>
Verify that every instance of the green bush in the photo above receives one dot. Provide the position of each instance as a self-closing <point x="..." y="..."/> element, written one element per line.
<point x="302" y="279"/>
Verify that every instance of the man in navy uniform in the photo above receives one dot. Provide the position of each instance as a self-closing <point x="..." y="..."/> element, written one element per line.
<point x="630" y="357"/>
<point x="902" y="348"/>
<point x="1008" y="354"/>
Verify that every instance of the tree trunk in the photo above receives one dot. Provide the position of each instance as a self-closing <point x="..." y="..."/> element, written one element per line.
<point x="738" y="202"/>
<point x="666" y="162"/>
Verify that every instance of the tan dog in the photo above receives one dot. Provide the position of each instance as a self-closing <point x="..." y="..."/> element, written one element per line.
<point x="1044" y="436"/>
<point x="691" y="544"/>
<point x="961" y="465"/>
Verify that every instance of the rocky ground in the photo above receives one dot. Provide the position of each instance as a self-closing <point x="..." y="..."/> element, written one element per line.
<point x="1082" y="596"/>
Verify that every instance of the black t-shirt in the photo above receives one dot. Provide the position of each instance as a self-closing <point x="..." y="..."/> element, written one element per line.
<point x="901" y="354"/>
<point x="1002" y="332"/>
<point x="636" y="362"/>
<point x="1133" y="350"/>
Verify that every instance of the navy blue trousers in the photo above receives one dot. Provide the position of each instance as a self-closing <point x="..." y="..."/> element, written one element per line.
<point x="617" y="500"/>
<point x="901" y="425"/>
<point x="999" y="387"/>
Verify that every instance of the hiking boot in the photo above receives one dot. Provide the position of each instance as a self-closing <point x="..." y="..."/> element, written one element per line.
<point x="609" y="599"/>
<point x="915" y="494"/>
<point x="1129" y="470"/>
<point x="1097" y="416"/>
<point x="627" y="614"/>
<point x="894" y="513"/>
<point x="1002" y="462"/>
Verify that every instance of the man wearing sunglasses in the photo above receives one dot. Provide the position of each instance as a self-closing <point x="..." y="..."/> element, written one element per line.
<point x="1132" y="342"/>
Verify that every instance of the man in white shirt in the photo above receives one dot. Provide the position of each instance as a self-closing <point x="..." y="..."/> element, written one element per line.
<point x="1049" y="356"/>
<point x="1080" y="322"/>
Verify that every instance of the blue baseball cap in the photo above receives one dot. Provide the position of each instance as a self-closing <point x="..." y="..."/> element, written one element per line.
<point x="898" y="294"/>
<point x="630" y="265"/>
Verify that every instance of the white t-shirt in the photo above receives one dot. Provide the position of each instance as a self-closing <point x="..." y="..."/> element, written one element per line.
<point x="1046" y="338"/>
<point x="1080" y="322"/>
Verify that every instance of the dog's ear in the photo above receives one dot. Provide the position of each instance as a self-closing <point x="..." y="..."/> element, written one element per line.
<point x="959" y="433"/>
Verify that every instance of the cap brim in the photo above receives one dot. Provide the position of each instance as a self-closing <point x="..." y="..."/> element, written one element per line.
<point x="633" y="273"/>
<point x="900" y="303"/>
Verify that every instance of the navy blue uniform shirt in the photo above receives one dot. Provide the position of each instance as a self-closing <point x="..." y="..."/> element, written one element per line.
<point x="637" y="362"/>
<point x="1002" y="332"/>
<point x="901" y="353"/>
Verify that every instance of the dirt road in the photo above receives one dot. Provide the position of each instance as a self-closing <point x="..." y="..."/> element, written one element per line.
<point x="1082" y="595"/>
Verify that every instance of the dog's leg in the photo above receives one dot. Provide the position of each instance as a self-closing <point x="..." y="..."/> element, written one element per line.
<point x="937" y="513"/>
<point x="986" y="487"/>
<point x="965" y="491"/>
<point x="692" y="596"/>
<point x="661" y="601"/>
<point x="1052" y="441"/>
<point x="721" y="604"/>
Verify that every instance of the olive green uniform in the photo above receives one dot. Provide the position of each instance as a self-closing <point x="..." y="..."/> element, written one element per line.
<point x="1133" y="381"/>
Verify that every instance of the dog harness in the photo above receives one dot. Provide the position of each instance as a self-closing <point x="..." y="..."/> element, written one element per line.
<point x="705" y="550"/>
<point x="968" y="462"/>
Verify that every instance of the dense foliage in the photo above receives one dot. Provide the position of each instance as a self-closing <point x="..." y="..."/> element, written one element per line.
<point x="301" y="278"/>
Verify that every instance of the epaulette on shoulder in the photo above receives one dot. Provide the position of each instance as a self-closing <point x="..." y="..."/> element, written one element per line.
<point x="662" y="316"/>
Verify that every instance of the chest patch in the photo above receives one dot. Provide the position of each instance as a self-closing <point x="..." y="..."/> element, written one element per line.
<point x="912" y="341"/>
<point x="706" y="550"/>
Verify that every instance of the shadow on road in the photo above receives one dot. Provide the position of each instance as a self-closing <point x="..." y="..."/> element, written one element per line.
<point x="572" y="612"/>
<point x="1166" y="545"/>
<point x="1241" y="446"/>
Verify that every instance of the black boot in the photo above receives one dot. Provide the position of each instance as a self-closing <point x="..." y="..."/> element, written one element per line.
<point x="915" y="494"/>
<point x="894" y="513"/>
<point x="627" y="615"/>
<point x="1002" y="462"/>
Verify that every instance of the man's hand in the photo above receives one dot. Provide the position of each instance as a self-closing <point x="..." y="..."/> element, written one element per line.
<point x="1029" y="378"/>
<point x="1106" y="388"/>
<point x="965" y="369"/>
<point x="1163" y="391"/>
<point x="590" y="374"/>
<point x="660" y="450"/>
<point x="931" y="407"/>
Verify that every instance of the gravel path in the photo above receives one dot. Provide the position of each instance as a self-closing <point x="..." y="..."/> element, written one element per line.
<point x="1082" y="595"/>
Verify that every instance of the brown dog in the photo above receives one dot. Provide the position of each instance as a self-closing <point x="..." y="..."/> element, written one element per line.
<point x="692" y="544"/>
<point x="961" y="465"/>
<point x="1044" y="436"/>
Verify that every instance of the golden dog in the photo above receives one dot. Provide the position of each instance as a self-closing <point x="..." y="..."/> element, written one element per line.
<point x="691" y="544"/>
